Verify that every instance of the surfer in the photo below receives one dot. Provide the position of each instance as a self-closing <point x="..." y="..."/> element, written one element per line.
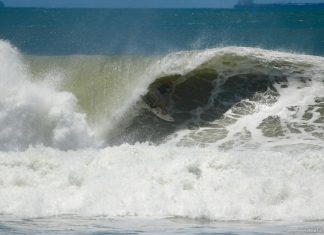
<point x="163" y="94"/>
<point x="159" y="99"/>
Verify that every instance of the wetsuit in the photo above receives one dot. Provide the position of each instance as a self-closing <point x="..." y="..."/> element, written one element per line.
<point x="163" y="92"/>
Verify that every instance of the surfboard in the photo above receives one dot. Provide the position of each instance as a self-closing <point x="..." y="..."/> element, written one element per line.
<point x="158" y="112"/>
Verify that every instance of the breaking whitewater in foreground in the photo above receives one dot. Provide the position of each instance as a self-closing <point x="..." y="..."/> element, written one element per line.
<point x="247" y="144"/>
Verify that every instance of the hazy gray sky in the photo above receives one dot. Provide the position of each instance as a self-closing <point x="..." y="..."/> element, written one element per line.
<point x="135" y="3"/>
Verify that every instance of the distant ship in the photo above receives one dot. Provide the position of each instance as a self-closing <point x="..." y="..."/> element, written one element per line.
<point x="251" y="4"/>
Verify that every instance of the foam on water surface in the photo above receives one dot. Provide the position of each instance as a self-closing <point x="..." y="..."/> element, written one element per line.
<point x="144" y="180"/>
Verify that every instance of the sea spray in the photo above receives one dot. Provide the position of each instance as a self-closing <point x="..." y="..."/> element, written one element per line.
<point x="34" y="113"/>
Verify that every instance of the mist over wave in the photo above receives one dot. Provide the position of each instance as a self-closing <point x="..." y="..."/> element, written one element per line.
<point x="247" y="143"/>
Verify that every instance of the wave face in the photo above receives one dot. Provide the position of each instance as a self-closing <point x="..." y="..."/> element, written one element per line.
<point x="247" y="143"/>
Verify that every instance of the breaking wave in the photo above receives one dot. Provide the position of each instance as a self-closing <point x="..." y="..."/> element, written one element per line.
<point x="247" y="143"/>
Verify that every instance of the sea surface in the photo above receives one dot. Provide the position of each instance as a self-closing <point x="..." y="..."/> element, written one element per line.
<point x="80" y="153"/>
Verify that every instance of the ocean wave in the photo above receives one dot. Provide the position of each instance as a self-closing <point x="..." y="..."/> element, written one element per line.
<point x="229" y="97"/>
<point x="247" y="143"/>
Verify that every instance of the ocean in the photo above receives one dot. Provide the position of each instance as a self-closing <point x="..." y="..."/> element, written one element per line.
<point x="80" y="153"/>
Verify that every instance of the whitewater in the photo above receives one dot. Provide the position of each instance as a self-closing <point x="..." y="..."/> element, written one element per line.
<point x="250" y="149"/>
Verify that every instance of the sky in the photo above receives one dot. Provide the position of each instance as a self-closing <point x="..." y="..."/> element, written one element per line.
<point x="137" y="3"/>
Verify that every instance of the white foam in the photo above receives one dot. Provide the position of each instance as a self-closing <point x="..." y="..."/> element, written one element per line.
<point x="35" y="113"/>
<point x="163" y="181"/>
<point x="302" y="98"/>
